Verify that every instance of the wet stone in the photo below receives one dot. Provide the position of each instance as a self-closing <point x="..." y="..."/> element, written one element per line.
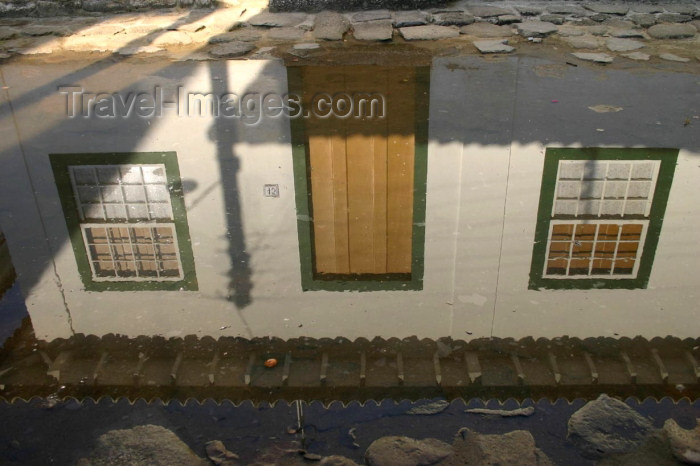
<point x="536" y="29"/>
<point x="486" y="30"/>
<point x="529" y="10"/>
<point x="672" y="31"/>
<point x="431" y="32"/>
<point x="643" y="20"/>
<point x="639" y="56"/>
<point x="410" y="18"/>
<point x="623" y="45"/>
<point x="554" y="19"/>
<point x="453" y="18"/>
<point x="673" y="18"/>
<point x="488" y="11"/>
<point x="248" y="34"/>
<point x="583" y="42"/>
<point x="277" y="19"/>
<point x="672" y="57"/>
<point x="512" y="448"/>
<point x="493" y="46"/>
<point x="373" y="31"/>
<point x="285" y="34"/>
<point x="330" y="26"/>
<point x="231" y="49"/>
<point x="594" y="57"/>
<point x="508" y="19"/>
<point x="608" y="8"/>
<point x="373" y="15"/>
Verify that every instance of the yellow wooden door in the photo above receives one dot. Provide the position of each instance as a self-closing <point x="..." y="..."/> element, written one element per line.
<point x="362" y="171"/>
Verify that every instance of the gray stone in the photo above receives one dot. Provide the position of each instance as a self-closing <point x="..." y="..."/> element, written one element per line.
<point x="643" y="20"/>
<point x="453" y="18"/>
<point x="172" y="38"/>
<point x="306" y="46"/>
<point x="529" y="10"/>
<point x="307" y="24"/>
<point x="488" y="11"/>
<point x="607" y="426"/>
<point x="685" y="444"/>
<point x="571" y="31"/>
<point x="231" y="49"/>
<point x="696" y="23"/>
<point x="508" y="19"/>
<point x="615" y="44"/>
<point x="486" y="30"/>
<point x="373" y="15"/>
<point x="672" y="31"/>
<point x="147" y="445"/>
<point x="639" y="56"/>
<point x="431" y="32"/>
<point x="38" y="30"/>
<point x="682" y="8"/>
<point x="673" y="18"/>
<point x="646" y="8"/>
<point x="672" y="57"/>
<point x="583" y="42"/>
<point x="512" y="448"/>
<point x="405" y="451"/>
<point x="554" y="19"/>
<point x="268" y="19"/>
<point x="242" y="34"/>
<point x="336" y="460"/>
<point x="373" y="30"/>
<point x="608" y="8"/>
<point x="599" y="17"/>
<point x="329" y="25"/>
<point x="219" y="455"/>
<point x="655" y="451"/>
<point x="617" y="23"/>
<point x="594" y="57"/>
<point x="597" y="30"/>
<point x="626" y="33"/>
<point x="49" y="9"/>
<point x="565" y="9"/>
<point x="433" y="407"/>
<point x="410" y="18"/>
<point x="536" y="29"/>
<point x="285" y="34"/>
<point x="8" y="32"/>
<point x="582" y="22"/>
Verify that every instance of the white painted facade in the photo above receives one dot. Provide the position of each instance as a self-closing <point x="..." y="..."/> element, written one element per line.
<point x="490" y="123"/>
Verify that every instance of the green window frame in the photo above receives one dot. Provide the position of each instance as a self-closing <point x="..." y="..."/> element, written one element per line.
<point x="647" y="220"/>
<point x="310" y="280"/>
<point x="167" y="230"/>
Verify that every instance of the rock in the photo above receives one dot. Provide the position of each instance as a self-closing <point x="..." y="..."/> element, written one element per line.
<point x="146" y="445"/>
<point x="410" y="18"/>
<point x="672" y="31"/>
<point x="623" y="45"/>
<point x="529" y="10"/>
<point x="373" y="30"/>
<point x="685" y="444"/>
<point x="306" y="46"/>
<point x="329" y="25"/>
<point x="218" y="454"/>
<point x="526" y="411"/>
<point x="486" y="11"/>
<point x="607" y="426"/>
<point x="536" y="29"/>
<point x="554" y="19"/>
<point x="513" y="448"/>
<point x="372" y="15"/>
<point x="277" y="20"/>
<point x="336" y="460"/>
<point x="285" y="34"/>
<point x="696" y="23"/>
<point x="486" y="30"/>
<point x="432" y="407"/>
<point x="594" y="57"/>
<point x="493" y="46"/>
<point x="655" y="451"/>
<point x="646" y="8"/>
<point x="673" y="18"/>
<point x="565" y="9"/>
<point x="583" y="42"/>
<point x="430" y="32"/>
<point x="170" y="38"/>
<point x="143" y="49"/>
<point x="643" y="20"/>
<point x="8" y="32"/>
<point x="684" y="9"/>
<point x="597" y="30"/>
<point x="453" y="18"/>
<point x="571" y="31"/>
<point x="4" y="55"/>
<point x="626" y="33"/>
<point x="607" y="8"/>
<point x="599" y="18"/>
<point x="405" y="451"/>
<point x="231" y="49"/>
<point x="672" y="57"/>
<point x="242" y="34"/>
<point x="508" y="19"/>
<point x="639" y="56"/>
<point x="38" y="30"/>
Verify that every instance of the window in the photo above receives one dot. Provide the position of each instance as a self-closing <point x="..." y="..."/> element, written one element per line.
<point x="127" y="221"/>
<point x="599" y="217"/>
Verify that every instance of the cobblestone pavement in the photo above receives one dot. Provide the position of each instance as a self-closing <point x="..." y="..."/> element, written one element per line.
<point x="593" y="31"/>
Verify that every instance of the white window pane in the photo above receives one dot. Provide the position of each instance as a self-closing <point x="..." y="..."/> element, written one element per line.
<point x="635" y="207"/>
<point x="643" y="170"/>
<point x="619" y="171"/>
<point x="639" y="189"/>
<point x="137" y="211"/>
<point x="588" y="207"/>
<point x="131" y="175"/>
<point x="565" y="208"/>
<point x="594" y="169"/>
<point x="612" y="207"/>
<point x="568" y="189"/>
<point x="157" y="192"/>
<point x="160" y="211"/>
<point x="615" y="189"/>
<point x="108" y="174"/>
<point x="115" y="211"/>
<point x="134" y="194"/>
<point x="154" y="175"/>
<point x="592" y="189"/>
<point x="112" y="194"/>
<point x="89" y="194"/>
<point x="570" y="170"/>
<point x="84" y="175"/>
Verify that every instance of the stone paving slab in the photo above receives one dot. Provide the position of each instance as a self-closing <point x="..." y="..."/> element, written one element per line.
<point x="373" y="30"/>
<point x="330" y="26"/>
<point x="486" y="30"/>
<point x="453" y="18"/>
<point x="277" y="19"/>
<point x="536" y="29"/>
<point x="410" y="18"/>
<point x="431" y="32"/>
<point x="493" y="46"/>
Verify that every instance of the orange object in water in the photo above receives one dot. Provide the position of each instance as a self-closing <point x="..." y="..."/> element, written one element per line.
<point x="272" y="362"/>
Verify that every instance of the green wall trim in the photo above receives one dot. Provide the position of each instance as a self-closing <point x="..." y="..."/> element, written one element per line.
<point x="60" y="163"/>
<point x="302" y="187"/>
<point x="667" y="169"/>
